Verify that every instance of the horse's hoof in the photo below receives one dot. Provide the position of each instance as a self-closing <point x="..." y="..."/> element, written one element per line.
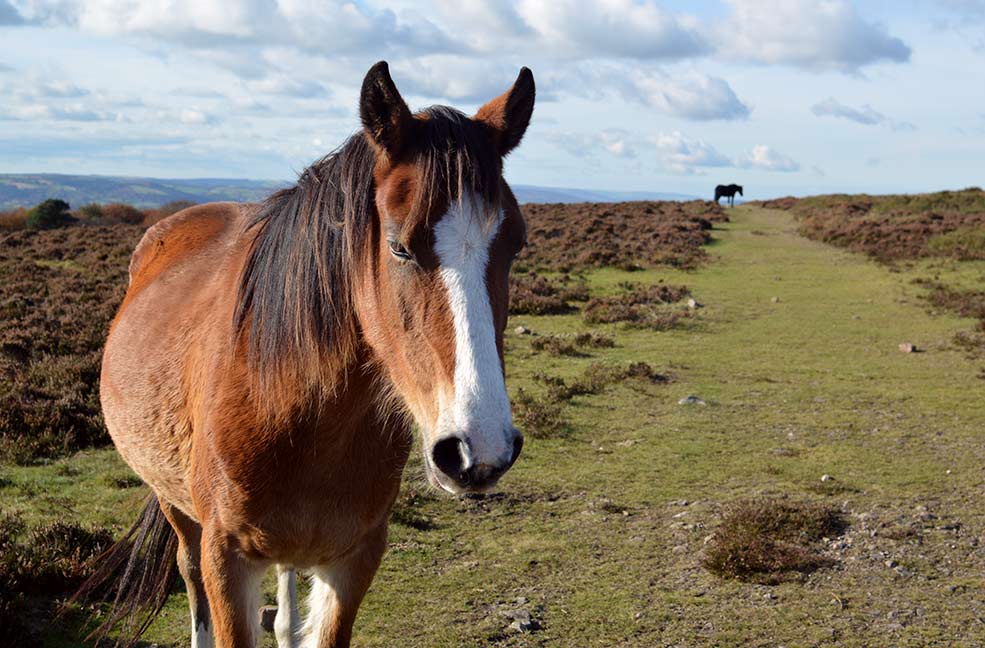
<point x="267" y="615"/>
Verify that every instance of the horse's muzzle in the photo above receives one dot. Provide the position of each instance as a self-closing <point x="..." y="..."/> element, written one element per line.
<point x="459" y="473"/>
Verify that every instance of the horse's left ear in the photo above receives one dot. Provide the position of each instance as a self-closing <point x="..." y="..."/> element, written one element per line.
<point x="509" y="114"/>
<point x="383" y="112"/>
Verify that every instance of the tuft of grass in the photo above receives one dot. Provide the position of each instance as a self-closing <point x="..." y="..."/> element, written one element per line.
<point x="769" y="540"/>
<point x="538" y="418"/>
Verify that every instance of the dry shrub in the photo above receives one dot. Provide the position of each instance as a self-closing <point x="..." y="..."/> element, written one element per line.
<point x="51" y="562"/>
<point x="966" y="303"/>
<point x="538" y="418"/>
<point x="626" y="235"/>
<point x="640" y="307"/>
<point x="13" y="219"/>
<point x="771" y="540"/>
<point x="892" y="228"/>
<point x="59" y="289"/>
<point x="123" y="214"/>
<point x="596" y="377"/>
<point x="786" y="203"/>
<point x="532" y="294"/>
<point x="567" y="345"/>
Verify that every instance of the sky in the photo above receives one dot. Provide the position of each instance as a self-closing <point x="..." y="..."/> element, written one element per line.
<point x="782" y="96"/>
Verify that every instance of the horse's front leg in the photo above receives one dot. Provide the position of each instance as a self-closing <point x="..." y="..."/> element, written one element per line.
<point x="336" y="592"/>
<point x="232" y="582"/>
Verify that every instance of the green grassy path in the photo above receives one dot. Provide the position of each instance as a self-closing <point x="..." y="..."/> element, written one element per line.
<point x="591" y="531"/>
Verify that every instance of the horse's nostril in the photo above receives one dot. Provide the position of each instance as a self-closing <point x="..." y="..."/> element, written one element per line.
<point x="447" y="457"/>
<point x="517" y="447"/>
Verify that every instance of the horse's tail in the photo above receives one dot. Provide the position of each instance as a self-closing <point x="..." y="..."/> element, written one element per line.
<point x="137" y="573"/>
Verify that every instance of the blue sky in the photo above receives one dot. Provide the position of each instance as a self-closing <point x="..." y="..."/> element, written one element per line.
<point x="782" y="96"/>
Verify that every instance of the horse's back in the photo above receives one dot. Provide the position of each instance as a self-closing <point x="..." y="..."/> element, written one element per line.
<point x="181" y="274"/>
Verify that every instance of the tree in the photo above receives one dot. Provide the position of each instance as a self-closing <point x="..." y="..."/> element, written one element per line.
<point x="50" y="214"/>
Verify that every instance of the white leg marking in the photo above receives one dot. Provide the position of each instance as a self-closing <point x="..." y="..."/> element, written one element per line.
<point x="481" y="409"/>
<point x="201" y="634"/>
<point x="321" y="600"/>
<point x="287" y="623"/>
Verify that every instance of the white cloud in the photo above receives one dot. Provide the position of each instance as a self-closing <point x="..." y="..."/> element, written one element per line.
<point x="764" y="158"/>
<point x="614" y="141"/>
<point x="72" y="112"/>
<point x="826" y="35"/>
<point x="681" y="155"/>
<point x="865" y="115"/>
<point x="693" y="95"/>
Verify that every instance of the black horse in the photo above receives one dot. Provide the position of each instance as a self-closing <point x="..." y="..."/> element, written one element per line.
<point x="728" y="191"/>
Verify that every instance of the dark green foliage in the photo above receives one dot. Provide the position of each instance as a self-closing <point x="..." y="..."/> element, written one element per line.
<point x="50" y="214"/>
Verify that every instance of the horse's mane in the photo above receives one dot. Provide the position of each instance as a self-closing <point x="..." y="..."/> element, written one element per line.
<point x="295" y="308"/>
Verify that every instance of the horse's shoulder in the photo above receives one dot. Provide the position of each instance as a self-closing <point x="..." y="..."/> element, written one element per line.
<point x="183" y="235"/>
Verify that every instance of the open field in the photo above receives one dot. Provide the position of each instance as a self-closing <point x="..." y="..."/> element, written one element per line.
<point x="604" y="525"/>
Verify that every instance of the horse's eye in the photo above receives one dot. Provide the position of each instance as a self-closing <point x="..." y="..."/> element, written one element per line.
<point x="399" y="251"/>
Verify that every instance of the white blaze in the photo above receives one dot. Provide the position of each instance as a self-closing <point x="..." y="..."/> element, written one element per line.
<point x="480" y="411"/>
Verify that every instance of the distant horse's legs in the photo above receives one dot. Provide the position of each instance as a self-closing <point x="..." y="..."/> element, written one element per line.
<point x="233" y="585"/>
<point x="287" y="623"/>
<point x="190" y="565"/>
<point x="336" y="592"/>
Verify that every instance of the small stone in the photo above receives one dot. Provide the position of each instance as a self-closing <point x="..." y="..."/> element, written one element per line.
<point x="691" y="400"/>
<point x="522" y="330"/>
<point x="827" y="478"/>
<point x="907" y="347"/>
<point x="267" y="615"/>
<point x="775" y="300"/>
<point x="890" y="563"/>
<point x="693" y="304"/>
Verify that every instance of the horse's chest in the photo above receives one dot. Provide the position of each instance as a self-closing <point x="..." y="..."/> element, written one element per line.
<point x="308" y="504"/>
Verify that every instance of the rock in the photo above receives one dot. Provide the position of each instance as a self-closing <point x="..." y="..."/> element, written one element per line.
<point x="890" y="563"/>
<point x="693" y="304"/>
<point x="691" y="400"/>
<point x="827" y="478"/>
<point x="267" y="615"/>
<point x="775" y="300"/>
<point x="522" y="622"/>
<point x="522" y="330"/>
<point x="907" y="347"/>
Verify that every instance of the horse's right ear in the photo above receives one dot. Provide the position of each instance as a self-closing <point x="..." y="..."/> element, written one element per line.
<point x="509" y="114"/>
<point x="383" y="112"/>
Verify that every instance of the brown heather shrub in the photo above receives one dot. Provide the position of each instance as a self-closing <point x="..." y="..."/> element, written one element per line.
<point x="49" y="563"/>
<point x="640" y="307"/>
<point x="893" y="228"/>
<point x="568" y="345"/>
<point x="59" y="289"/>
<point x="771" y="540"/>
<point x="626" y="235"/>
<point x="123" y="214"/>
<point x="596" y="377"/>
<point x="13" y="219"/>
<point x="538" y="418"/>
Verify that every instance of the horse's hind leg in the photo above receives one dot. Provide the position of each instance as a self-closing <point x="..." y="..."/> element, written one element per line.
<point x="190" y="565"/>
<point x="336" y="592"/>
<point x="232" y="582"/>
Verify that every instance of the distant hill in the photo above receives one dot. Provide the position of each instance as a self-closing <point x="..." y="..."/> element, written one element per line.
<point x="25" y="190"/>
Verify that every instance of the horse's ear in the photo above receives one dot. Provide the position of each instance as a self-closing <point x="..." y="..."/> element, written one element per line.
<point x="509" y="114"/>
<point x="383" y="112"/>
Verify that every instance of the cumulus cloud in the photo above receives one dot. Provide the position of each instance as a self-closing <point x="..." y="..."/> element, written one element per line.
<point x="681" y="155"/>
<point x="829" y="35"/>
<point x="614" y="141"/>
<point x="865" y="115"/>
<point x="764" y="158"/>
<point x="690" y="96"/>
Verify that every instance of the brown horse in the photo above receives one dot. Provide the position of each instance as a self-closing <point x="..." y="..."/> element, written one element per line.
<point x="268" y="361"/>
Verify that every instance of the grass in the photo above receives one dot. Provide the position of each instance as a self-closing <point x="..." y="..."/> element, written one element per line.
<point x="603" y="529"/>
